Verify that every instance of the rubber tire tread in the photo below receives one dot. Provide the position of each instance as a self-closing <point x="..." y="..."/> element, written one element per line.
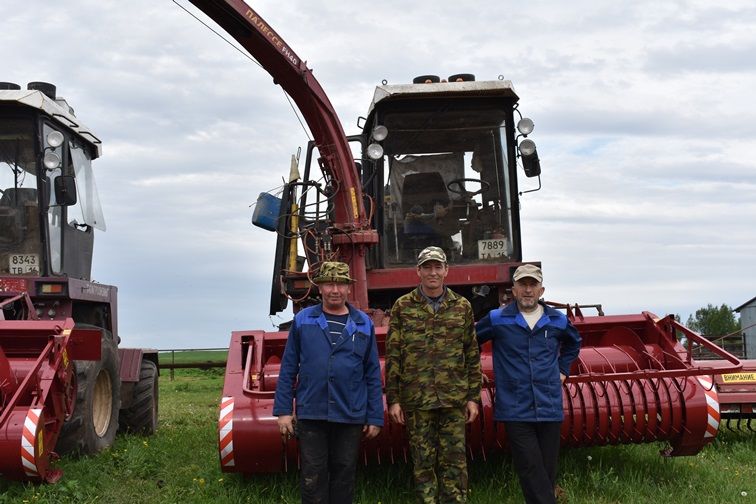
<point x="78" y="435"/>
<point x="142" y="416"/>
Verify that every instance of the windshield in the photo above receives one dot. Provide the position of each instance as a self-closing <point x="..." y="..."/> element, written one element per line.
<point x="19" y="221"/>
<point x="446" y="184"/>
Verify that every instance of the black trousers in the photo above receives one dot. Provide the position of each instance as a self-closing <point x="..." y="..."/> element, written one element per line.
<point x="328" y="455"/>
<point x="535" y="451"/>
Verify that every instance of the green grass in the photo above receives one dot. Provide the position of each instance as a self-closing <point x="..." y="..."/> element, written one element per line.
<point x="180" y="465"/>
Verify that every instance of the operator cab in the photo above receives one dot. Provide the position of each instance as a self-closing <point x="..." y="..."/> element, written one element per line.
<point x="445" y="176"/>
<point x="440" y="168"/>
<point x="48" y="196"/>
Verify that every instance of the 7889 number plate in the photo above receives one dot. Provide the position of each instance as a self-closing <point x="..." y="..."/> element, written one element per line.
<point x="489" y="249"/>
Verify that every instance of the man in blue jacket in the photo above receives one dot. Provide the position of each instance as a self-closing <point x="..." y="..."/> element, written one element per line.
<point x="331" y="354"/>
<point x="533" y="348"/>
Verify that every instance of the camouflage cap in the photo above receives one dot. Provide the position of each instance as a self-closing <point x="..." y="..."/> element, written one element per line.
<point x="431" y="254"/>
<point x="528" y="270"/>
<point x="337" y="272"/>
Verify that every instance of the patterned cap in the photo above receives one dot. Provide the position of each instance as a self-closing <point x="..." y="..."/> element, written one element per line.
<point x="528" y="270"/>
<point x="431" y="254"/>
<point x="337" y="272"/>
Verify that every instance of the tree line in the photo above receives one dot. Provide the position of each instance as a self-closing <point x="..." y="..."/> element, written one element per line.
<point x="713" y="321"/>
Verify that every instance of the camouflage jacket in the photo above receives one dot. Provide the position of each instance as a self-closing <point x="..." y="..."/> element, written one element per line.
<point x="432" y="359"/>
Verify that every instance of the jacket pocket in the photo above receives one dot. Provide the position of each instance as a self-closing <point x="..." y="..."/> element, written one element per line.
<point x="549" y="395"/>
<point x="506" y="396"/>
<point x="359" y="344"/>
<point x="552" y="342"/>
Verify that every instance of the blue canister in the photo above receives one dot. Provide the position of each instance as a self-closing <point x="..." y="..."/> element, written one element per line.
<point x="267" y="210"/>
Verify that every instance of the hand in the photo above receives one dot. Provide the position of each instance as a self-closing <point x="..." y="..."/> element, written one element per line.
<point x="286" y="426"/>
<point x="562" y="377"/>
<point x="396" y="414"/>
<point x="370" y="431"/>
<point x="471" y="412"/>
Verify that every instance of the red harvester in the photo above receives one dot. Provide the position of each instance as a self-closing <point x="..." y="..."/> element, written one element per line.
<point x="436" y="162"/>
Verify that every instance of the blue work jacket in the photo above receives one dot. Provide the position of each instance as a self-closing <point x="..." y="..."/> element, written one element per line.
<point x="527" y="362"/>
<point x="337" y="383"/>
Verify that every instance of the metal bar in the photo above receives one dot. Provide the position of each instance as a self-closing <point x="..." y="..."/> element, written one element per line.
<point x="607" y="360"/>
<point x="737" y="364"/>
<point x="192" y="365"/>
<point x="31" y="312"/>
<point x="26" y="382"/>
<point x="172" y="366"/>
<point x="252" y="356"/>
<point x="627" y="354"/>
<point x="219" y="349"/>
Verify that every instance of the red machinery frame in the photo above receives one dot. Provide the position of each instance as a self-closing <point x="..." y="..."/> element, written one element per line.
<point x="653" y="392"/>
<point x="37" y="389"/>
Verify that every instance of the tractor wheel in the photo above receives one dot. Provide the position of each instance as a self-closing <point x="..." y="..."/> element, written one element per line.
<point x="142" y="416"/>
<point x="93" y="424"/>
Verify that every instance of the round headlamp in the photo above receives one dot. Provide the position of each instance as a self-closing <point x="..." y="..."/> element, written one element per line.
<point x="375" y="151"/>
<point x="55" y="139"/>
<point x="525" y="126"/>
<point x="51" y="160"/>
<point x="380" y="133"/>
<point x="527" y="147"/>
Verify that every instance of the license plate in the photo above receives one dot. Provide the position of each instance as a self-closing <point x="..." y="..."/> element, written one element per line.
<point x="489" y="249"/>
<point x="18" y="264"/>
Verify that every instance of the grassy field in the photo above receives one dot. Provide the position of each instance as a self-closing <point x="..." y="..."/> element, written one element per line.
<point x="180" y="465"/>
<point x="193" y="356"/>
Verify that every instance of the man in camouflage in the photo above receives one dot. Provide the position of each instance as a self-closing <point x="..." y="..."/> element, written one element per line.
<point x="433" y="379"/>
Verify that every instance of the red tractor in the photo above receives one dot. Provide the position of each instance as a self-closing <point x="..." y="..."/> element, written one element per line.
<point x="437" y="162"/>
<point x="65" y="386"/>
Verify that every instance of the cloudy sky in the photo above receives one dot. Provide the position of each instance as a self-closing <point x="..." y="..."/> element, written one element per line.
<point x="645" y="125"/>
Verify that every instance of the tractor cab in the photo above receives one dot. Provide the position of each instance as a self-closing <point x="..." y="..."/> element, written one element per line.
<point x="440" y="169"/>
<point x="48" y="196"/>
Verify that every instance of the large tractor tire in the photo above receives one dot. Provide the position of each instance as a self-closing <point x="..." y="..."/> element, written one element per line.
<point x="142" y="416"/>
<point x="94" y="422"/>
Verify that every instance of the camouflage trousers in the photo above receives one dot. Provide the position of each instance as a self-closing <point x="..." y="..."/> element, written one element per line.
<point x="437" y="445"/>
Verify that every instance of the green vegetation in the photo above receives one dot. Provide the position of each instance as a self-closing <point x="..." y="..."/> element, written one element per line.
<point x="719" y="324"/>
<point x="712" y="321"/>
<point x="180" y="465"/>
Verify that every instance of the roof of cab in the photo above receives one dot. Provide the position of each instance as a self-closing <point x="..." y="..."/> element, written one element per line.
<point x="57" y="109"/>
<point x="501" y="88"/>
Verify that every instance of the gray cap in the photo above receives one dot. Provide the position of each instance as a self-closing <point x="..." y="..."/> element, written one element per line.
<point x="528" y="270"/>
<point x="431" y="254"/>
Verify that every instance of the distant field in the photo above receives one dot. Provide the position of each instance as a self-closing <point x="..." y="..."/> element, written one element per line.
<point x="180" y="465"/>
<point x="193" y="356"/>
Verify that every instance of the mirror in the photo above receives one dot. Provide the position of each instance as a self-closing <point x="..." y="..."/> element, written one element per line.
<point x="65" y="190"/>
